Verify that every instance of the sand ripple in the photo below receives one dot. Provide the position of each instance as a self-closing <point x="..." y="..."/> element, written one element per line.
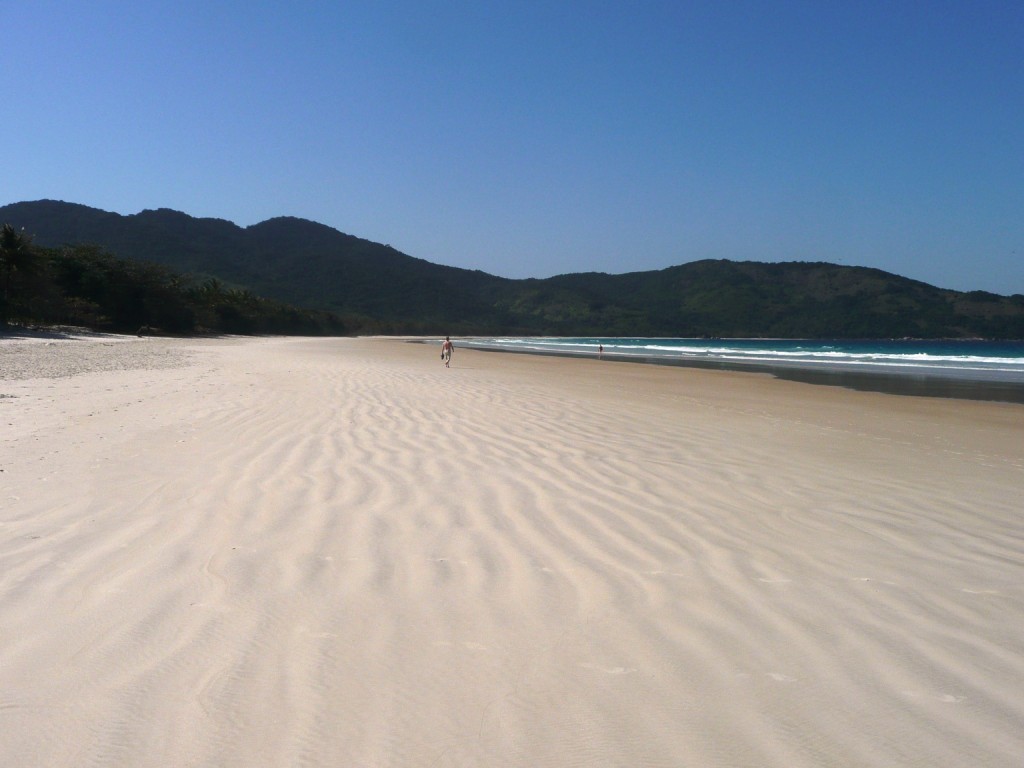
<point x="336" y="552"/>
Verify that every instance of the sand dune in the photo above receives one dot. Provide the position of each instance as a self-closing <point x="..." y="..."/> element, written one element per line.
<point x="288" y="552"/>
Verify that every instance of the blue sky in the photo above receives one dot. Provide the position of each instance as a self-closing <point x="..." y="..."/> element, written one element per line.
<point x="529" y="138"/>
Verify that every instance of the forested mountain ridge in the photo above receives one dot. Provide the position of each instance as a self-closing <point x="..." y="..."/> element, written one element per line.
<point x="314" y="266"/>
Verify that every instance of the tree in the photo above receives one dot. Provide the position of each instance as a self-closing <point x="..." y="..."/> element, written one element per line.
<point x="16" y="256"/>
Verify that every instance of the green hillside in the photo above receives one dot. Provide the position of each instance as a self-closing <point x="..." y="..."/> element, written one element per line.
<point x="314" y="266"/>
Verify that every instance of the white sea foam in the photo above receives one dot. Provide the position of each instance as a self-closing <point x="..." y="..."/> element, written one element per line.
<point x="909" y="357"/>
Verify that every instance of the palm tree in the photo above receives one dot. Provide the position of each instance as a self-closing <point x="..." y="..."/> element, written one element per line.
<point x="15" y="256"/>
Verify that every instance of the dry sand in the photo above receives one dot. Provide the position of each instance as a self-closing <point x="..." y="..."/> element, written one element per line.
<point x="288" y="552"/>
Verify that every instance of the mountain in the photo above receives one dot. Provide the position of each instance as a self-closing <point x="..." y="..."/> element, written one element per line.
<point x="311" y="265"/>
<point x="288" y="259"/>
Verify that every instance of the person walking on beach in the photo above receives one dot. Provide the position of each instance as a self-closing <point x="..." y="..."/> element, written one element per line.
<point x="446" y="351"/>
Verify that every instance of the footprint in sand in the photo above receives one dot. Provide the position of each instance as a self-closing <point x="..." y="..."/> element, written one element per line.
<point x="469" y="645"/>
<point x="609" y="670"/>
<point x="780" y="678"/>
<point x="945" y="698"/>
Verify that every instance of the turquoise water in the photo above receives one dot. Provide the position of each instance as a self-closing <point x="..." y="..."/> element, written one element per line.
<point x="981" y="361"/>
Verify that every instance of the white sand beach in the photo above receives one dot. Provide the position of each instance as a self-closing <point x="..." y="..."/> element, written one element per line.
<point x="336" y="552"/>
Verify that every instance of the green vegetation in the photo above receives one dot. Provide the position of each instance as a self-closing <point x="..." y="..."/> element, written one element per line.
<point x="377" y="289"/>
<point x="84" y="286"/>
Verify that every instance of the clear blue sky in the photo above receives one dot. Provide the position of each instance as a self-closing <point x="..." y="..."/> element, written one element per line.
<point x="535" y="138"/>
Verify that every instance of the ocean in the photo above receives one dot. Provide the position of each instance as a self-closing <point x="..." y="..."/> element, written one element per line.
<point x="972" y="369"/>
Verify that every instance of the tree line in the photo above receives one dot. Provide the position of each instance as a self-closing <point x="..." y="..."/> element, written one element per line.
<point x="84" y="286"/>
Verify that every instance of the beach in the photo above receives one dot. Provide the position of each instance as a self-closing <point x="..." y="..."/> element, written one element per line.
<point x="337" y="552"/>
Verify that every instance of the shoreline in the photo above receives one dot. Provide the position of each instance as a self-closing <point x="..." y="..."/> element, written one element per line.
<point x="918" y="384"/>
<point x="937" y="384"/>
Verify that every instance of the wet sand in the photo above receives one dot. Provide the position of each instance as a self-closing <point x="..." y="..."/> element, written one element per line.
<point x="949" y="384"/>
